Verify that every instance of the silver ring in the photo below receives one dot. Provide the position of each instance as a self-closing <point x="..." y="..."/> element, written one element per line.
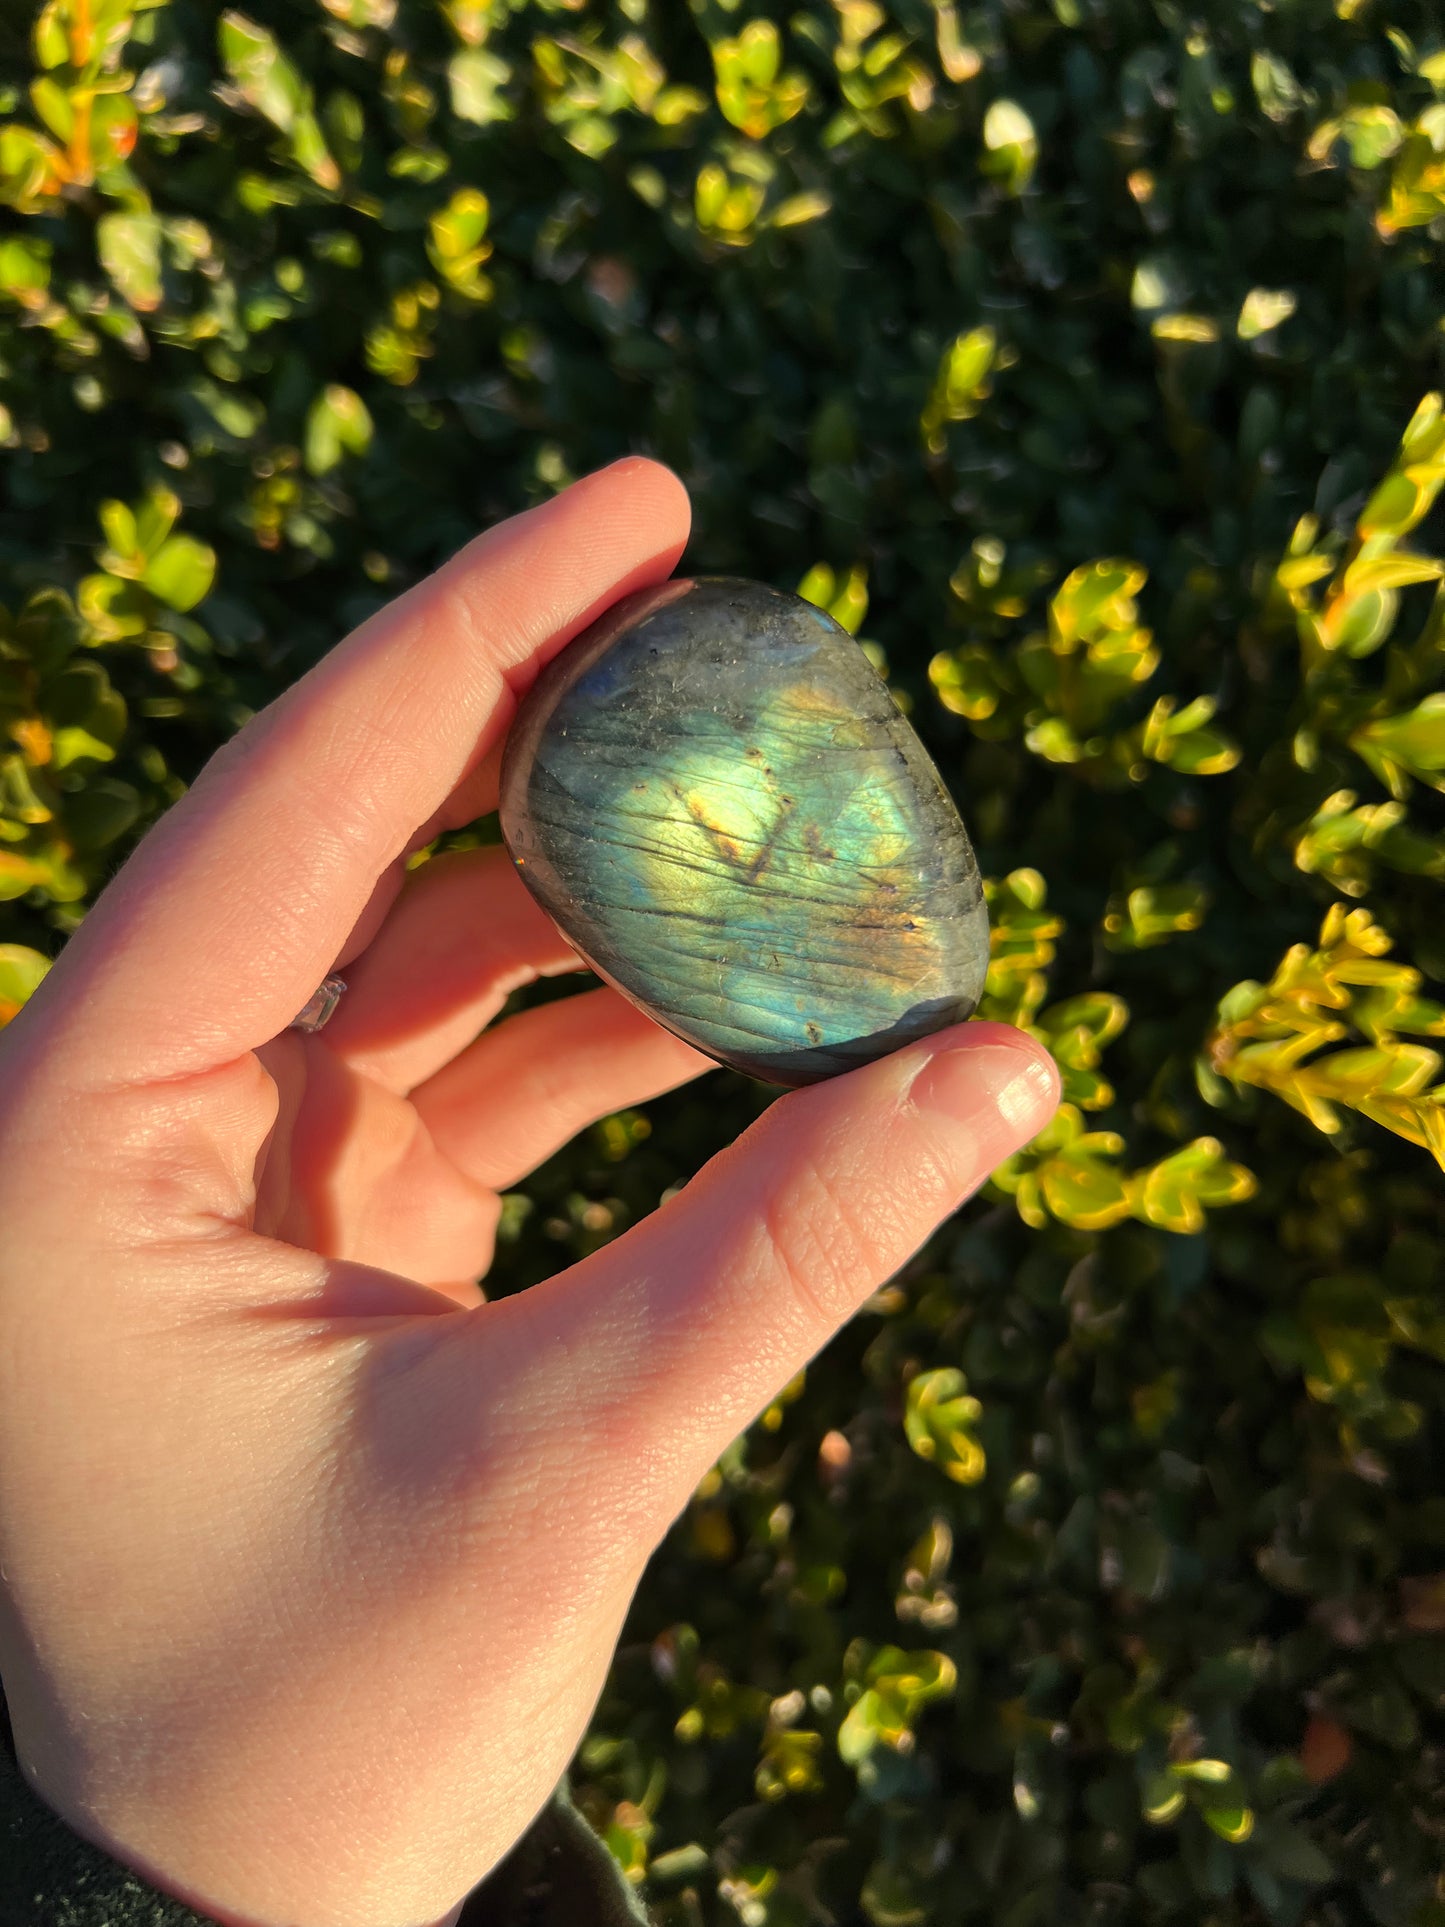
<point x="320" y="1006"/>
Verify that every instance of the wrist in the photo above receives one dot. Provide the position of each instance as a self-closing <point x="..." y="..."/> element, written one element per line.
<point x="64" y="1866"/>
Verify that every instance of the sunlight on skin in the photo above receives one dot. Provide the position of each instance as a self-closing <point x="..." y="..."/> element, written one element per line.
<point x="365" y="1542"/>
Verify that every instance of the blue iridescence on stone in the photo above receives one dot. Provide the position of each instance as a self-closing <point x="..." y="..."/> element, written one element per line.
<point x="715" y="797"/>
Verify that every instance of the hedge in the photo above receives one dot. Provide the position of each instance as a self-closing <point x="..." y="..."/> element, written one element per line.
<point x="1074" y="355"/>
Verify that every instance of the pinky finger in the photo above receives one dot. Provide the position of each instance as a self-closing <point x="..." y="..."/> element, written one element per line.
<point x="522" y="1090"/>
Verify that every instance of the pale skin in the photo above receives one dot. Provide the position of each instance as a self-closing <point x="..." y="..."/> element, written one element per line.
<point x="313" y="1560"/>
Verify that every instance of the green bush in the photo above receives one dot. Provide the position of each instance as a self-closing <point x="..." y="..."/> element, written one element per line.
<point x="1097" y="1572"/>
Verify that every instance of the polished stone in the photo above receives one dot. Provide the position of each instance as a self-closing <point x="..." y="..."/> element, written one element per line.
<point x="715" y="797"/>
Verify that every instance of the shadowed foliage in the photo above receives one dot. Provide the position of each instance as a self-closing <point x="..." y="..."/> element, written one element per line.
<point x="1073" y="355"/>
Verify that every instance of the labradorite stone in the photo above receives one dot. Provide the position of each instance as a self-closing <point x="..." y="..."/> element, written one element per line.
<point x="716" y="798"/>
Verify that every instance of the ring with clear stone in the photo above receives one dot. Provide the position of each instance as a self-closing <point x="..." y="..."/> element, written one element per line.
<point x="320" y="1006"/>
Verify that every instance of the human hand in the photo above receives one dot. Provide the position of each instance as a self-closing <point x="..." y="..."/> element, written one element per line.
<point x="314" y="1561"/>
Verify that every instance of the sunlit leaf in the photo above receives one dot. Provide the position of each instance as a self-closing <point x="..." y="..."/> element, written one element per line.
<point x="130" y="251"/>
<point x="21" y="973"/>
<point x="181" y="571"/>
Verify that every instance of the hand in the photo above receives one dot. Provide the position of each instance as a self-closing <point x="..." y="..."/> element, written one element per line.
<point x="314" y="1561"/>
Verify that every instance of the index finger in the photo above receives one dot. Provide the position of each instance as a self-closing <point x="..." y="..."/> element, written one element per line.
<point x="234" y="907"/>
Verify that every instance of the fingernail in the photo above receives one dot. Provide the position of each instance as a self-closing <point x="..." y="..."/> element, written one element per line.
<point x="1018" y="1083"/>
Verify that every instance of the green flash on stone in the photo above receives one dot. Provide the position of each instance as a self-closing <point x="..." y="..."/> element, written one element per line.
<point x="717" y="800"/>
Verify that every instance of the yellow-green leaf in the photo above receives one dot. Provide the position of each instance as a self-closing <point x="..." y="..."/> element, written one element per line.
<point x="21" y="972"/>
<point x="130" y="251"/>
<point x="181" y="572"/>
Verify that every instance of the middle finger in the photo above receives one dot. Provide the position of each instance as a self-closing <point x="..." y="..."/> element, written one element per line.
<point x="462" y="935"/>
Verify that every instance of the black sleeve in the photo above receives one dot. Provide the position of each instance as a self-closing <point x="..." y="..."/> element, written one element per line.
<point x="559" y="1874"/>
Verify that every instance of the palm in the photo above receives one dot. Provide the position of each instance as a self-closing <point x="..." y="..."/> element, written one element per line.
<point x="400" y="1124"/>
<point x="343" y="1124"/>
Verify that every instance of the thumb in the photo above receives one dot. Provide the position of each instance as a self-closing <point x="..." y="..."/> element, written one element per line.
<point x="664" y="1345"/>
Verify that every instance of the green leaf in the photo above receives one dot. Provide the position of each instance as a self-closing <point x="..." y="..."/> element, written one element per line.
<point x="1053" y="739"/>
<point x="1204" y="1772"/>
<point x="272" y="84"/>
<point x="457" y="244"/>
<point x="1098" y="1012"/>
<point x="1203" y="752"/>
<point x="1097" y="598"/>
<point x="49" y="38"/>
<point x="130" y="251"/>
<point x="1085" y="1193"/>
<point x="86" y="716"/>
<point x="338" y="423"/>
<point x="1161" y="1799"/>
<point x="1170" y="1195"/>
<point x="153" y="521"/>
<point x="1263" y="310"/>
<point x="1290" y="1853"/>
<point x="890" y="1897"/>
<point x="1233" y="1821"/>
<point x="260" y="71"/>
<point x="968" y="681"/>
<point x="181" y="572"/>
<point x="798" y="209"/>
<point x="118" y="524"/>
<point x="21" y="973"/>
<point x="55" y="106"/>
<point x="311" y="153"/>
<point x="1154" y="913"/>
<point x="1394" y="508"/>
<point x="476" y="79"/>
<point x="1415" y="739"/>
<point x="221" y="415"/>
<point x="1373" y="134"/>
<point x="104" y="810"/>
<point x="114" y="609"/>
<point x="1395" y="570"/>
<point x="1360" y="623"/>
<point x="965" y="365"/>
<point x="1145" y="1558"/>
<point x="24" y="267"/>
<point x="960" y="386"/>
<point x="19" y="874"/>
<point x="861" y="1729"/>
<point x="1011" y="146"/>
<point x="114" y="130"/>
<point x="938" y="1420"/>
